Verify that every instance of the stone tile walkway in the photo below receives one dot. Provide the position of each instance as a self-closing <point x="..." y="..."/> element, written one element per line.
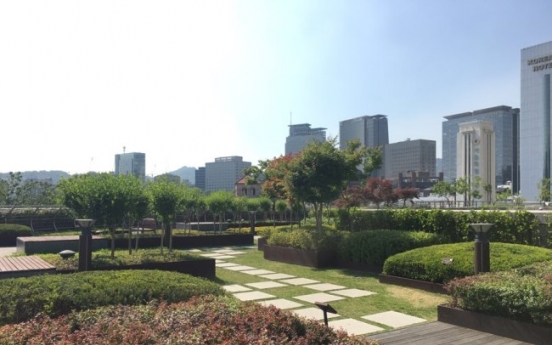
<point x="328" y="293"/>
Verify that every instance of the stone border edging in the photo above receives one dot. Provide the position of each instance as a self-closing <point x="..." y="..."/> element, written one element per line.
<point x="412" y="283"/>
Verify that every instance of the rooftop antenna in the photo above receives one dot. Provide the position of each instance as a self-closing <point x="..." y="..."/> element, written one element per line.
<point x="124" y="149"/>
<point x="290" y="118"/>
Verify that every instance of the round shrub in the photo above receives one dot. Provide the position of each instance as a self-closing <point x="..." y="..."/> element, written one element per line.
<point x="373" y="247"/>
<point x="58" y="294"/>
<point x="427" y="263"/>
<point x="10" y="232"/>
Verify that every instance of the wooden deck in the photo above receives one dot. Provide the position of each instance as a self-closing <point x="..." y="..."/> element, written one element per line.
<point x="440" y="333"/>
<point x="23" y="266"/>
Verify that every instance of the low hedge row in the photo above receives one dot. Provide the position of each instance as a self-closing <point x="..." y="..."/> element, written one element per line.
<point x="10" y="232"/>
<point x="373" y="247"/>
<point x="206" y="320"/>
<point x="427" y="263"/>
<point x="523" y="294"/>
<point x="306" y="238"/>
<point x="58" y="294"/>
<point x="519" y="227"/>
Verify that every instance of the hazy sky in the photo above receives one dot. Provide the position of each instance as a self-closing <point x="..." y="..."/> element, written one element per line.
<point x="188" y="81"/>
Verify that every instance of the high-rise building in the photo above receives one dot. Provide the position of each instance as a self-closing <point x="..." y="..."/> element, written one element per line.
<point x="536" y="109"/>
<point x="476" y="157"/>
<point x="505" y="122"/>
<point x="410" y="155"/>
<point x="372" y="131"/>
<point x="223" y="173"/>
<point x="301" y="135"/>
<point x="200" y="178"/>
<point x="132" y="163"/>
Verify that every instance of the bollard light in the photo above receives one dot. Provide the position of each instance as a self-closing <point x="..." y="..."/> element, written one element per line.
<point x="85" y="243"/>
<point x="326" y="308"/>
<point x="482" y="258"/>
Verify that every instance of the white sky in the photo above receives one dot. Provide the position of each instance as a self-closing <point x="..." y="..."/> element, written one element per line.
<point x="188" y="81"/>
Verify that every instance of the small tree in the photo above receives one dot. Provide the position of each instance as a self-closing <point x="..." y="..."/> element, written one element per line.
<point x="445" y="189"/>
<point x="219" y="203"/>
<point x="281" y="207"/>
<point x="253" y="206"/>
<point x="461" y="186"/>
<point x="240" y="206"/>
<point x="544" y="190"/>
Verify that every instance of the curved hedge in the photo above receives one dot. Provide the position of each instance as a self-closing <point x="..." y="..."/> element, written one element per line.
<point x="426" y="263"/>
<point x="10" y="232"/>
<point x="373" y="247"/>
<point x="58" y="294"/>
<point x="523" y="294"/>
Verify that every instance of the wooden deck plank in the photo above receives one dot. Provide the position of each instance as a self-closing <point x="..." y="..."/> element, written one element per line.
<point x="440" y="333"/>
<point x="24" y="264"/>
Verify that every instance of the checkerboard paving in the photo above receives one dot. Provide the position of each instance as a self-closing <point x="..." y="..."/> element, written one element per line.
<point x="252" y="296"/>
<point x="225" y="264"/>
<point x="239" y="268"/>
<point x="266" y="285"/>
<point x="353" y="293"/>
<point x="277" y="276"/>
<point x="353" y="326"/>
<point x="236" y="288"/>
<point x="324" y="287"/>
<point x="281" y="303"/>
<point x="313" y="313"/>
<point x="257" y="272"/>
<point x="319" y="297"/>
<point x="299" y="281"/>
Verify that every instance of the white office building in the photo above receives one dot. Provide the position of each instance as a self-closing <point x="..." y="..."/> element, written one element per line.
<point x="535" y="124"/>
<point x="132" y="163"/>
<point x="301" y="135"/>
<point x="476" y="157"/>
<point x="224" y="172"/>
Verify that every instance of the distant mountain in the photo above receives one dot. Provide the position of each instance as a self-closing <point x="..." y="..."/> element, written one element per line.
<point x="185" y="173"/>
<point x="54" y="175"/>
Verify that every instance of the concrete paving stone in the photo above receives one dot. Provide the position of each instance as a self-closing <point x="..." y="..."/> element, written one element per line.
<point x="353" y="293"/>
<point x="226" y="264"/>
<point x="236" y="288"/>
<point x="195" y="250"/>
<point x="319" y="297"/>
<point x="393" y="319"/>
<point x="324" y="287"/>
<point x="257" y="272"/>
<point x="313" y="313"/>
<point x="253" y="295"/>
<point x="223" y="251"/>
<point x="266" y="285"/>
<point x="212" y="255"/>
<point x="222" y="256"/>
<point x="352" y="326"/>
<point x="299" y="281"/>
<point x="281" y="303"/>
<point x="240" y="268"/>
<point x="234" y="252"/>
<point x="277" y="276"/>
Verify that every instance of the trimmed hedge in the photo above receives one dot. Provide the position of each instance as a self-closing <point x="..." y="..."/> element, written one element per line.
<point x="519" y="227"/>
<point x="373" y="247"/>
<point x="306" y="238"/>
<point x="58" y="294"/>
<point x="205" y="320"/>
<point x="523" y="294"/>
<point x="10" y="232"/>
<point x="426" y="263"/>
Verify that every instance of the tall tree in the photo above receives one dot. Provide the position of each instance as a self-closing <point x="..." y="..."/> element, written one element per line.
<point x="544" y="190"/>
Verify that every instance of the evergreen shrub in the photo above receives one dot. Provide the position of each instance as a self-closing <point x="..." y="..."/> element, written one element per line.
<point x="10" y="232"/>
<point x="59" y="294"/>
<point x="427" y="263"/>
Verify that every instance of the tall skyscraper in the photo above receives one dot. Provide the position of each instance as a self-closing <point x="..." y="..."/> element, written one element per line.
<point x="372" y="131"/>
<point x="131" y="163"/>
<point x="224" y="172"/>
<point x="536" y="109"/>
<point x="505" y="122"/>
<point x="476" y="157"/>
<point x="301" y="135"/>
<point x="200" y="178"/>
<point x="410" y="155"/>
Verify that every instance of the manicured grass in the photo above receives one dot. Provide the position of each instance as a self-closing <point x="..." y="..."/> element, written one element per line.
<point x="409" y="301"/>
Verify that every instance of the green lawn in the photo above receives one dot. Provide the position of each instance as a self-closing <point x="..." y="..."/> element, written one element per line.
<point x="389" y="297"/>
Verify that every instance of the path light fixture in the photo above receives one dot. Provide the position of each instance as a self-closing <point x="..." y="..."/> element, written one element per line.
<point x="481" y="257"/>
<point x="85" y="243"/>
<point x="326" y="308"/>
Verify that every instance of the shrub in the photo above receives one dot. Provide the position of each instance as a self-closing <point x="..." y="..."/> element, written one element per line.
<point x="58" y="294"/>
<point x="306" y="238"/>
<point x="523" y="294"/>
<point x="205" y="320"/>
<point x="519" y="227"/>
<point x="373" y="247"/>
<point x="10" y="232"/>
<point x="426" y="263"/>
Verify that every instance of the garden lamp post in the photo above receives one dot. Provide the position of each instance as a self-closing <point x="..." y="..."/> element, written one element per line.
<point x="85" y="243"/>
<point x="481" y="258"/>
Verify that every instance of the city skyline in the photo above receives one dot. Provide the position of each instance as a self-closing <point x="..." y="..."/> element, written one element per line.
<point x="186" y="82"/>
